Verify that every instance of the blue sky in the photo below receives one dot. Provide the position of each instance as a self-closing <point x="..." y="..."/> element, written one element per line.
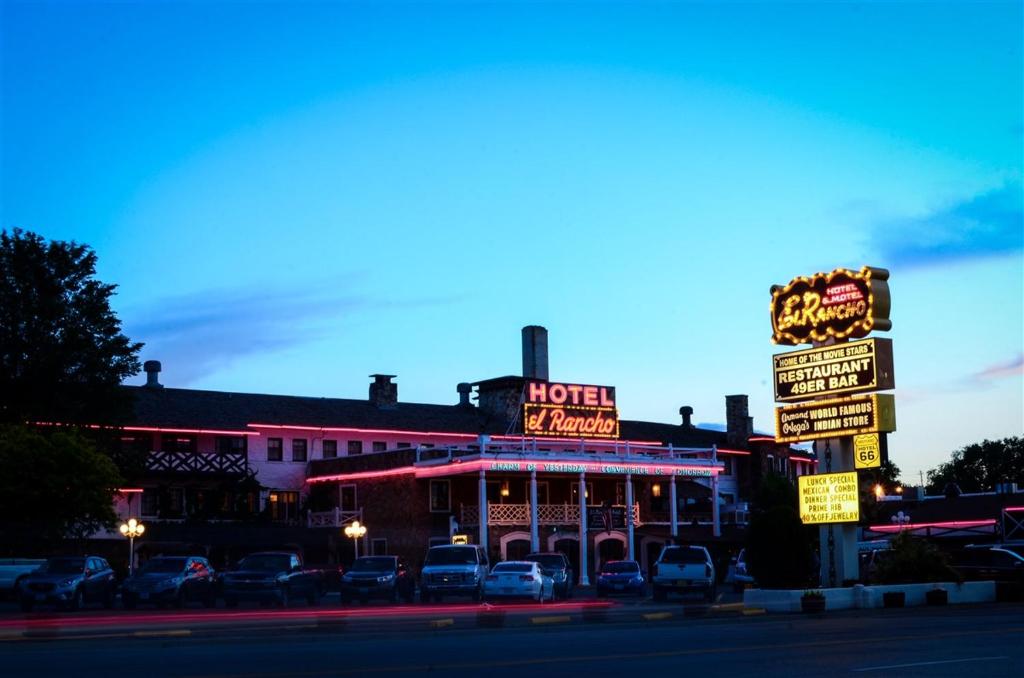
<point x="292" y="196"/>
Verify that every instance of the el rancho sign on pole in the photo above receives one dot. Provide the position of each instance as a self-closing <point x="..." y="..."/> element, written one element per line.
<point x="843" y="304"/>
<point x="832" y="389"/>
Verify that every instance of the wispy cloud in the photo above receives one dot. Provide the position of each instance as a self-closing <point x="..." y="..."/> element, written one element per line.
<point x="985" y="224"/>
<point x="200" y="333"/>
<point x="998" y="371"/>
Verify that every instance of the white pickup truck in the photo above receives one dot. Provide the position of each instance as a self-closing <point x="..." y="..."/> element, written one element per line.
<point x="11" y="572"/>
<point x="684" y="569"/>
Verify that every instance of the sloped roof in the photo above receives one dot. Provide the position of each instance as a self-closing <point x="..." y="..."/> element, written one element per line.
<point x="189" y="408"/>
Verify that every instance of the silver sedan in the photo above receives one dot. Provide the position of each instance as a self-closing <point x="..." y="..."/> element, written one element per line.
<point x="518" y="579"/>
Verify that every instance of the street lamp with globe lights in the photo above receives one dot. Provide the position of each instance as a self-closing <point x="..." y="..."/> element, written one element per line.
<point x="132" y="529"/>
<point x="356" y="532"/>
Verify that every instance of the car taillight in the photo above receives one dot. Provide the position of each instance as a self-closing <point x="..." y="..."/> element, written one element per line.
<point x="526" y="577"/>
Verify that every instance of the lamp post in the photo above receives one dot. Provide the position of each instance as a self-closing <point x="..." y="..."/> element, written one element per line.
<point x="356" y="532"/>
<point x="132" y="529"/>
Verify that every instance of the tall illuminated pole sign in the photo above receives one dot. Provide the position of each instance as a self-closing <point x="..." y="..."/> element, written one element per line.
<point x="828" y="310"/>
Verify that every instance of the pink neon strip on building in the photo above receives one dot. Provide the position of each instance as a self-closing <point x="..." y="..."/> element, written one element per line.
<point x="366" y="430"/>
<point x="954" y="524"/>
<point x="723" y="450"/>
<point x="476" y="465"/>
<point x="1013" y="508"/>
<point x="157" y="429"/>
<point x="129" y="490"/>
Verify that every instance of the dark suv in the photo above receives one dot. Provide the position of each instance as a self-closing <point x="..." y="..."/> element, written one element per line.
<point x="990" y="563"/>
<point x="385" y="577"/>
<point x="177" y="580"/>
<point x="69" y="582"/>
<point x="556" y="566"/>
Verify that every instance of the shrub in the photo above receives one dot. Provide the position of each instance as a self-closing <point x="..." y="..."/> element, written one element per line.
<point x="914" y="560"/>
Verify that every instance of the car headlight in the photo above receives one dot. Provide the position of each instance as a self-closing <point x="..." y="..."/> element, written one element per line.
<point x="385" y="579"/>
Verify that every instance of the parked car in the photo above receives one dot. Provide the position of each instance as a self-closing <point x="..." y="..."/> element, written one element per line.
<point x="989" y="563"/>
<point x="684" y="569"/>
<point x="176" y="580"/>
<point x="453" y="570"/>
<point x="738" y="574"/>
<point x="556" y="566"/>
<point x="271" y="577"/>
<point x="69" y="582"/>
<point x="13" y="571"/>
<point x="385" y="577"/>
<point x="621" y="576"/>
<point x="519" y="579"/>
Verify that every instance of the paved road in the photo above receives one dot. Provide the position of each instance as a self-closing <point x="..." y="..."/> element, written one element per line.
<point x="985" y="640"/>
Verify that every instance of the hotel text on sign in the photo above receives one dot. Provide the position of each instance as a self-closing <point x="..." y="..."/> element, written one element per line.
<point x="854" y="367"/>
<point x="570" y="411"/>
<point x="829" y="498"/>
<point x="841" y="304"/>
<point x="875" y="413"/>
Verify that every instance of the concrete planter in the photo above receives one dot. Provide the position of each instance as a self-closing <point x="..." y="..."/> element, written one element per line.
<point x="812" y="604"/>
<point x="894" y="599"/>
<point x="936" y="597"/>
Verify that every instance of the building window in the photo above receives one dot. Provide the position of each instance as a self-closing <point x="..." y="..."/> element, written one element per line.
<point x="175" y="442"/>
<point x="542" y="492"/>
<point x="299" y="449"/>
<point x="136" y="442"/>
<point x="379" y="446"/>
<point x="403" y="446"/>
<point x="440" y="496"/>
<point x="347" y="497"/>
<point x="330" y="449"/>
<point x="355" y="447"/>
<point x="150" y="501"/>
<point x="275" y="449"/>
<point x="172" y="504"/>
<point x="284" y="506"/>
<point x="379" y="546"/>
<point x="589" y="496"/>
<point x="230" y="444"/>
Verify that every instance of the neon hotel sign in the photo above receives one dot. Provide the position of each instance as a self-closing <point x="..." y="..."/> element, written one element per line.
<point x="560" y="410"/>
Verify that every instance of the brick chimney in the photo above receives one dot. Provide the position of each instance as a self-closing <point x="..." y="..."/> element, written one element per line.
<point x="152" y="368"/>
<point x="464" y="390"/>
<point x="686" y="412"/>
<point x="739" y="425"/>
<point x="535" y="352"/>
<point x="384" y="392"/>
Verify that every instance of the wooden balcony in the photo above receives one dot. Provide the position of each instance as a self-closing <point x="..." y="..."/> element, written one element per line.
<point x="223" y="463"/>
<point x="519" y="514"/>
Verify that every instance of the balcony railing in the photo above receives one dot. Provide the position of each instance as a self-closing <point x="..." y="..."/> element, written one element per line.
<point x="335" y="518"/>
<point x="197" y="462"/>
<point x="519" y="514"/>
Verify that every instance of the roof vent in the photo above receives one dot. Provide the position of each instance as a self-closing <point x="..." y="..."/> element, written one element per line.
<point x="152" y="368"/>
<point x="686" y="411"/>
<point x="464" y="390"/>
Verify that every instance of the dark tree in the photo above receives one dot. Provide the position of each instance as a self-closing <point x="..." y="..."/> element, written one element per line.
<point x="980" y="467"/>
<point x="55" y="484"/>
<point x="62" y="353"/>
<point x="779" y="546"/>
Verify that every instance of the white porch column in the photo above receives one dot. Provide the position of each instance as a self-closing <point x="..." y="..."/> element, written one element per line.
<point x="716" y="523"/>
<point x="629" y="517"/>
<point x="534" y="526"/>
<point x="673" y="509"/>
<point x="584" y="579"/>
<point x="483" y="509"/>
